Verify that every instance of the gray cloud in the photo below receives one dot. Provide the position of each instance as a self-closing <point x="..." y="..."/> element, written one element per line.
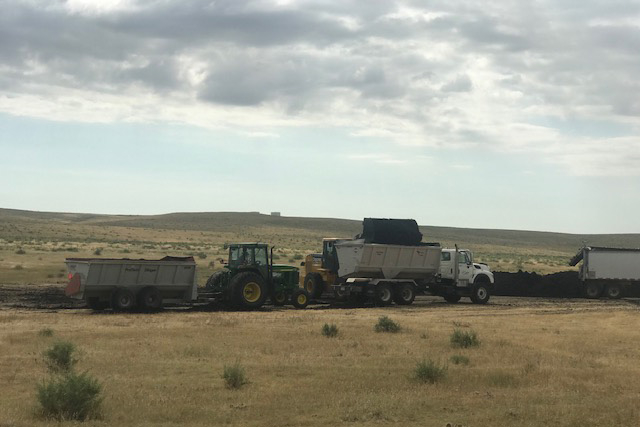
<point x="403" y="64"/>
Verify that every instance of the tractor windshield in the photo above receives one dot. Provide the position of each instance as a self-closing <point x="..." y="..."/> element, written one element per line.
<point x="261" y="256"/>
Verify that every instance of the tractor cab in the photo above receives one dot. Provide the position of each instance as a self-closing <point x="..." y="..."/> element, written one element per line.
<point x="250" y="256"/>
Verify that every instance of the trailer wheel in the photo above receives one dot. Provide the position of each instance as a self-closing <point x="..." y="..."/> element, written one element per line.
<point x="383" y="294"/>
<point x="123" y="300"/>
<point x="150" y="299"/>
<point x="314" y="285"/>
<point x="279" y="299"/>
<point x="480" y="294"/>
<point x="452" y="299"/>
<point x="405" y="294"/>
<point x="300" y="298"/>
<point x="614" y="291"/>
<point x="248" y="290"/>
<point x="593" y="290"/>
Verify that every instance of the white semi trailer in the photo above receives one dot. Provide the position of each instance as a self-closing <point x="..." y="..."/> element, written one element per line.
<point x="607" y="271"/>
<point x="397" y="272"/>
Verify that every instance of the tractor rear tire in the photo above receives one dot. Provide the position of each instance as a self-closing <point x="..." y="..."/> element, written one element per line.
<point x="314" y="285"/>
<point x="150" y="299"/>
<point x="123" y="300"/>
<point x="248" y="290"/>
<point x="404" y="294"/>
<point x="300" y="298"/>
<point x="383" y="294"/>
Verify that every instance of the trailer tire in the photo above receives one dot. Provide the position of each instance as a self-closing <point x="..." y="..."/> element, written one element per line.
<point x="300" y="298"/>
<point x="405" y="294"/>
<point x="314" y="285"/>
<point x="593" y="290"/>
<point x="123" y="300"/>
<point x="452" y="299"/>
<point x="279" y="299"/>
<point x="383" y="294"/>
<point x="614" y="291"/>
<point x="150" y="299"/>
<point x="248" y="290"/>
<point x="480" y="294"/>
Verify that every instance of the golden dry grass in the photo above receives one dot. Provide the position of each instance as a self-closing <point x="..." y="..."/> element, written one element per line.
<point x="561" y="364"/>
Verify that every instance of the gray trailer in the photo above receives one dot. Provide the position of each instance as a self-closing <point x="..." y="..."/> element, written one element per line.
<point x="607" y="271"/>
<point x="127" y="283"/>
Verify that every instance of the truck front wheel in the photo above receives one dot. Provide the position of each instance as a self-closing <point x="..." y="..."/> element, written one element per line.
<point x="314" y="285"/>
<point x="480" y="294"/>
<point x="248" y="290"/>
<point x="383" y="294"/>
<point x="405" y="294"/>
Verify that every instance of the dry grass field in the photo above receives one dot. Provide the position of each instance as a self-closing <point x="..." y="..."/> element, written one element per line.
<point x="539" y="362"/>
<point x="33" y="245"/>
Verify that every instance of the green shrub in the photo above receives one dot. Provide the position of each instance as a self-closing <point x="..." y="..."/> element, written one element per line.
<point x="502" y="379"/>
<point x="60" y="356"/>
<point x="458" y="359"/>
<point x="234" y="376"/>
<point x="386" y="325"/>
<point x="70" y="397"/>
<point x="428" y="371"/>
<point x="46" y="332"/>
<point x="464" y="339"/>
<point x="298" y="257"/>
<point x="21" y="251"/>
<point x="202" y="255"/>
<point x="97" y="252"/>
<point x="330" y="331"/>
<point x="18" y="267"/>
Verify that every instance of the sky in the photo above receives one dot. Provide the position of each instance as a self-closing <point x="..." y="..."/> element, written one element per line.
<point x="502" y="114"/>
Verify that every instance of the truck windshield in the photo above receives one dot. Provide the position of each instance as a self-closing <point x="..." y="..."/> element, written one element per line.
<point x="463" y="258"/>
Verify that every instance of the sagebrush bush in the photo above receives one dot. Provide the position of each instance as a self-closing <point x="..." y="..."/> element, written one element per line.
<point x="234" y="376"/>
<point x="60" y="357"/>
<point x="464" y="339"/>
<point x="428" y="371"/>
<point x="70" y="397"/>
<point x="46" y="332"/>
<point x="458" y="359"/>
<point x="386" y="325"/>
<point x="329" y="330"/>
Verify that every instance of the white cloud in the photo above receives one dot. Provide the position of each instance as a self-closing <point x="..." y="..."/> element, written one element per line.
<point x="461" y="74"/>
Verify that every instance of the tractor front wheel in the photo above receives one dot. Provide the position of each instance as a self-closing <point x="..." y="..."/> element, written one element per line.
<point x="300" y="298"/>
<point x="279" y="299"/>
<point x="248" y="290"/>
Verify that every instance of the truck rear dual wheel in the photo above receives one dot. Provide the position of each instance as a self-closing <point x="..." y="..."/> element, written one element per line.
<point x="405" y="294"/>
<point x="383" y="294"/>
<point x="593" y="290"/>
<point x="248" y="290"/>
<point x="614" y="291"/>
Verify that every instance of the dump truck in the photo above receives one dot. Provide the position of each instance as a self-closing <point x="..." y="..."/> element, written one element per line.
<point x="389" y="262"/>
<point x="607" y="271"/>
<point x="246" y="282"/>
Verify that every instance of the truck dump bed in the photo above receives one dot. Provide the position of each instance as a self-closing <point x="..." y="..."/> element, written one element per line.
<point x="371" y="260"/>
<point x="174" y="277"/>
<point x="599" y="263"/>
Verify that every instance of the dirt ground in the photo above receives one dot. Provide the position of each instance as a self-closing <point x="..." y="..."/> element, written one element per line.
<point x="52" y="298"/>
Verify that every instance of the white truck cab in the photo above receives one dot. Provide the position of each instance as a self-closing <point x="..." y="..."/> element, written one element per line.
<point x="457" y="268"/>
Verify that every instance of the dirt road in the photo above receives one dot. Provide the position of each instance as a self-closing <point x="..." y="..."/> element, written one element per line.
<point x="51" y="297"/>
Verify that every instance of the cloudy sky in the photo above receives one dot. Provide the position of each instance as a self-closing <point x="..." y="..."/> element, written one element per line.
<point x="505" y="114"/>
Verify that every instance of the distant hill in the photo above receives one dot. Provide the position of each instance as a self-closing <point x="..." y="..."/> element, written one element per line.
<point x="242" y="221"/>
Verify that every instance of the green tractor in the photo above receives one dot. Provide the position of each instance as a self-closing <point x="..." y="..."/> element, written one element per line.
<point x="250" y="277"/>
